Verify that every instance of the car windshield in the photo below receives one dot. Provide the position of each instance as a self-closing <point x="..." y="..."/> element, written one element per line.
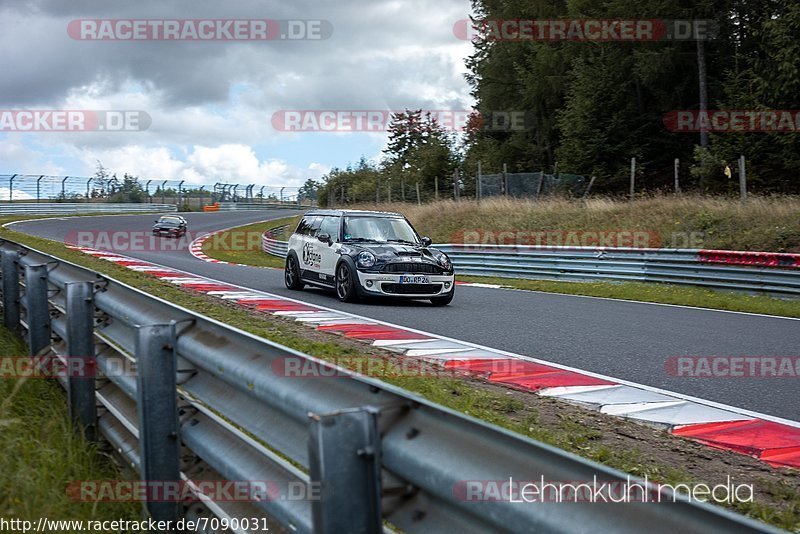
<point x="380" y="229"/>
<point x="169" y="221"/>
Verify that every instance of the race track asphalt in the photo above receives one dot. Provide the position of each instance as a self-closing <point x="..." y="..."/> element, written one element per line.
<point x="626" y="340"/>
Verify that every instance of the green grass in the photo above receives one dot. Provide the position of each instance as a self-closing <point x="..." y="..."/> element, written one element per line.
<point x="659" y="293"/>
<point x="686" y="221"/>
<point x="42" y="453"/>
<point x="243" y="244"/>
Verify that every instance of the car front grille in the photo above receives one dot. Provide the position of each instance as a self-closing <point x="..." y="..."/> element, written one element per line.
<point x="412" y="267"/>
<point x="412" y="289"/>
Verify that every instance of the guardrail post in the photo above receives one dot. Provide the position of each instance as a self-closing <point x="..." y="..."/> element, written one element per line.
<point x="344" y="460"/>
<point x="80" y="350"/>
<point x="159" y="442"/>
<point x="9" y="262"/>
<point x="38" y="311"/>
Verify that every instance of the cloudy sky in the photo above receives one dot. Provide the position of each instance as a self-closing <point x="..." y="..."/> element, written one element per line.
<point x="212" y="101"/>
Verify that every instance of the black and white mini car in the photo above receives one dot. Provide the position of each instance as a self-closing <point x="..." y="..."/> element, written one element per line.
<point x="367" y="253"/>
<point x="170" y="225"/>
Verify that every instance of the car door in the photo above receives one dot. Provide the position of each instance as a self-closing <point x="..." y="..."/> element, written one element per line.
<point x="310" y="258"/>
<point x="328" y="251"/>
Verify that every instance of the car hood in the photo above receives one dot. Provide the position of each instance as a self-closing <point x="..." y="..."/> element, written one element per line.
<point x="387" y="252"/>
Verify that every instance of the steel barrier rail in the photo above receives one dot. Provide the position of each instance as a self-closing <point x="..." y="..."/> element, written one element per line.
<point x="58" y="208"/>
<point x="205" y="401"/>
<point x="271" y="245"/>
<point x="672" y="266"/>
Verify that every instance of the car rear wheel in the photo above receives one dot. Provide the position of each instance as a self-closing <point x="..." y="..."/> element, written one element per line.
<point x="291" y="274"/>
<point x="444" y="300"/>
<point x="346" y="282"/>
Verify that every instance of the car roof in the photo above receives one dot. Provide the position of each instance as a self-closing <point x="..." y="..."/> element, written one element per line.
<point x="355" y="213"/>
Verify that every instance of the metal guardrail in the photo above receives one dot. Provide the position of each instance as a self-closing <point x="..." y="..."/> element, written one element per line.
<point x="205" y="402"/>
<point x="58" y="208"/>
<point x="672" y="266"/>
<point x="272" y="245"/>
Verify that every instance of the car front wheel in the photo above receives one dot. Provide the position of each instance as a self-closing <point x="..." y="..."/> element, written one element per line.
<point x="445" y="299"/>
<point x="291" y="274"/>
<point x="346" y="282"/>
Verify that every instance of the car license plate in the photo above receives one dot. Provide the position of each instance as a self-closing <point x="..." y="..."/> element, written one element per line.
<point x="405" y="279"/>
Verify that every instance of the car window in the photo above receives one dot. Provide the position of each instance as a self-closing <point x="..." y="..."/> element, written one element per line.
<point x="307" y="224"/>
<point x="302" y="228"/>
<point x="313" y="229"/>
<point x="330" y="226"/>
<point x="379" y="229"/>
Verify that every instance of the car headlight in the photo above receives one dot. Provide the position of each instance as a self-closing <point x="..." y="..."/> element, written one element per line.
<point x="365" y="259"/>
<point x="444" y="261"/>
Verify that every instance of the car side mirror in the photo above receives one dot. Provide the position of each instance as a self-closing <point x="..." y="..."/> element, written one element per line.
<point x="426" y="241"/>
<point x="325" y="238"/>
<point x="155" y="221"/>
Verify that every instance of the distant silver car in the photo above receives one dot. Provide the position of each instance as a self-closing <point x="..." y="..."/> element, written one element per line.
<point x="367" y="253"/>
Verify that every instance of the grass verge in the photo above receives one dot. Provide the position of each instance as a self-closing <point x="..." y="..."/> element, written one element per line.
<point x="769" y="224"/>
<point x="42" y="453"/>
<point x="618" y="443"/>
<point x="220" y="246"/>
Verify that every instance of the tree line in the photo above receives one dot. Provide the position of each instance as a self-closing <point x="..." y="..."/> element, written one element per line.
<point x="590" y="106"/>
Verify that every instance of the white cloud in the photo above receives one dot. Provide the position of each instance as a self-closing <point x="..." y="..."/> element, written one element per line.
<point x="230" y="163"/>
<point x="211" y="102"/>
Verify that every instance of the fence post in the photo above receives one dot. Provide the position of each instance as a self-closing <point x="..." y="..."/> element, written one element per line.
<point x="436" y="187"/>
<point x="589" y="187"/>
<point x="10" y="266"/>
<point x="344" y="462"/>
<point x="80" y="354"/>
<point x="742" y="179"/>
<point x="505" y="180"/>
<point x="456" y="192"/>
<point x="677" y="183"/>
<point x="539" y="185"/>
<point x="478" y="180"/>
<point x="633" y="177"/>
<point x="157" y="408"/>
<point x="38" y="311"/>
<point x="419" y="202"/>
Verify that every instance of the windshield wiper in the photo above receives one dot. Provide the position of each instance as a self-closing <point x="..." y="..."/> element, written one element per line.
<point x="404" y="241"/>
<point x="360" y="240"/>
